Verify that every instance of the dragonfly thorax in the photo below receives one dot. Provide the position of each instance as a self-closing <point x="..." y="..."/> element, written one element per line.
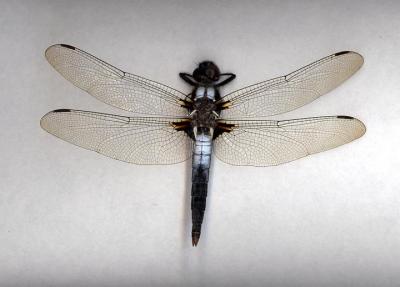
<point x="204" y="113"/>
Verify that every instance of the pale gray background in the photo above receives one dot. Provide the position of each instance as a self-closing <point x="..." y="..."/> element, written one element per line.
<point x="71" y="217"/>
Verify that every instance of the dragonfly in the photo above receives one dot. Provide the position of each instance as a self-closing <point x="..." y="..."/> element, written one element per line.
<point x="168" y="126"/>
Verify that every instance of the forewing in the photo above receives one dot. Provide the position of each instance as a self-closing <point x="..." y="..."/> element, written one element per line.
<point x="113" y="86"/>
<point x="292" y="91"/>
<point x="268" y="142"/>
<point x="130" y="139"/>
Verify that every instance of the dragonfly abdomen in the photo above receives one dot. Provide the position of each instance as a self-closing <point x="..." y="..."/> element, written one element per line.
<point x="200" y="173"/>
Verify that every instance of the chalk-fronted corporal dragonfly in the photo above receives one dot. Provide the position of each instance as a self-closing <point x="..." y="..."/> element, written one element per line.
<point x="169" y="126"/>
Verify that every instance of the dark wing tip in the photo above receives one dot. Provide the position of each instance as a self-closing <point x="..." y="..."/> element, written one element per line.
<point x="361" y="128"/>
<point x="353" y="53"/>
<point x="345" y="117"/>
<point x="45" y="118"/>
<point x="59" y="45"/>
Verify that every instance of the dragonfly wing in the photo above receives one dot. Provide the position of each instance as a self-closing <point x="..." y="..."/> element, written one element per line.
<point x="137" y="140"/>
<point x="113" y="86"/>
<point x="268" y="142"/>
<point x="292" y="91"/>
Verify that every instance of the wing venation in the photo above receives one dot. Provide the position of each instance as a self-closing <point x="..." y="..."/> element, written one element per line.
<point x="138" y="140"/>
<point x="269" y="142"/>
<point x="292" y="91"/>
<point x="114" y="86"/>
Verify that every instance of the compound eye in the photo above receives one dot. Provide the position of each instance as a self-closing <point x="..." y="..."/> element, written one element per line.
<point x="196" y="74"/>
<point x="210" y="73"/>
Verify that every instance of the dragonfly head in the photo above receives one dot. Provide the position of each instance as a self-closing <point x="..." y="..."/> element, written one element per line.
<point x="206" y="73"/>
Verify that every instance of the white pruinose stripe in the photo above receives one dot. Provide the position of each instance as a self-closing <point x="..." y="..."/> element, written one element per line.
<point x="210" y="93"/>
<point x="202" y="150"/>
<point x="200" y="92"/>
